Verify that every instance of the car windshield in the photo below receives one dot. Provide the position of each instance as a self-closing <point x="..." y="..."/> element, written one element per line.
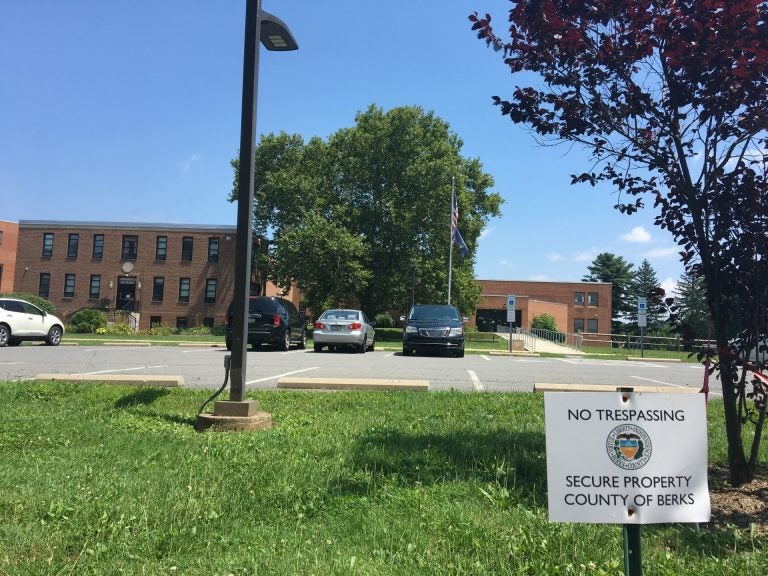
<point x="434" y="313"/>
<point x="340" y="315"/>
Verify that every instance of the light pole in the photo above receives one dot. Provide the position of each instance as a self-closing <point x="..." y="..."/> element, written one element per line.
<point x="413" y="285"/>
<point x="260" y="27"/>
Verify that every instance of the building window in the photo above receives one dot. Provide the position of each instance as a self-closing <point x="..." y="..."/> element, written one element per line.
<point x="578" y="298"/>
<point x="161" y="248"/>
<point x="592" y="299"/>
<point x="98" y="246"/>
<point x="213" y="249"/>
<point x="69" y="285"/>
<point x="1" y="237"/>
<point x="186" y="249"/>
<point x="155" y="321"/>
<point x="130" y="247"/>
<point x="72" y="243"/>
<point x="208" y="322"/>
<point x="95" y="289"/>
<point x="181" y="322"/>
<point x="578" y="325"/>
<point x="592" y="325"/>
<point x="44" y="285"/>
<point x="47" y="244"/>
<point x="158" y="287"/>
<point x="210" y="290"/>
<point x="184" y="289"/>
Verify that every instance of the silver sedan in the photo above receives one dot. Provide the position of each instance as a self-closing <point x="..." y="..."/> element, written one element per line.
<point x="342" y="327"/>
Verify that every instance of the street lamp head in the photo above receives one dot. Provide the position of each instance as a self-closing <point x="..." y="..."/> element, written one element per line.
<point x="275" y="35"/>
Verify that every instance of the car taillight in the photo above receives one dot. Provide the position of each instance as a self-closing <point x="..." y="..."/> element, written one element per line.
<point x="276" y="320"/>
<point x="319" y="325"/>
<point x="355" y="326"/>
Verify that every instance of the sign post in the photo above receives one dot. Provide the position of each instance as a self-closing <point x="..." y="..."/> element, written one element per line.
<point x="510" y="317"/>
<point x="642" y="321"/>
<point x="628" y="458"/>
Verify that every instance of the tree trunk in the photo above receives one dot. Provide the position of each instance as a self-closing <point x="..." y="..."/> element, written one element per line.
<point x="737" y="462"/>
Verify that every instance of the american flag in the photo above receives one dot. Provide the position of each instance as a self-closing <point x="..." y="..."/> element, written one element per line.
<point x="455" y="234"/>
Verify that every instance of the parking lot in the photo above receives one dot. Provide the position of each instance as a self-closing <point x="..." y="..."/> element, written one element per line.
<point x="203" y="367"/>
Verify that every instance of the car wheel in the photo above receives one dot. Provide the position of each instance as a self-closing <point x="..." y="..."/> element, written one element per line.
<point x="5" y="335"/>
<point x="318" y="347"/>
<point x="303" y="341"/>
<point x="460" y="353"/>
<point x="407" y="351"/>
<point x="54" y="336"/>
<point x="285" y="345"/>
<point x="361" y="348"/>
<point x="14" y="341"/>
<point x="373" y="344"/>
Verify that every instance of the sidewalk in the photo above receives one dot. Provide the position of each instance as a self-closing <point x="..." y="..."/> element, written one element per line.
<point x="542" y="345"/>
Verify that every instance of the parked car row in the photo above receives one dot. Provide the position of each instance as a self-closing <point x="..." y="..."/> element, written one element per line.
<point x="275" y="321"/>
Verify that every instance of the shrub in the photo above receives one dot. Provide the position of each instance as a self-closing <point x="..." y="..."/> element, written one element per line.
<point x="544" y="322"/>
<point x="384" y="320"/>
<point x="161" y="331"/>
<point x="87" y="321"/>
<point x="118" y="328"/>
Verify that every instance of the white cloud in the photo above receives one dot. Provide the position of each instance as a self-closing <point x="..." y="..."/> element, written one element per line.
<point x="662" y="252"/>
<point x="539" y="278"/>
<point x="638" y="234"/>
<point x="670" y="287"/>
<point x="555" y="257"/>
<point x="585" y="255"/>
<point x="487" y="232"/>
<point x="189" y="163"/>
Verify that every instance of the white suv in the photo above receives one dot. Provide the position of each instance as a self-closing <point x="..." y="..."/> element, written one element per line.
<point x="21" y="320"/>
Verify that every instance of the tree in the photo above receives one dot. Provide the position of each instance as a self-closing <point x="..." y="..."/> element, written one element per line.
<point x="607" y="267"/>
<point x="646" y="285"/>
<point x="347" y="217"/>
<point x="544" y="322"/>
<point x="669" y="99"/>
<point x="691" y="308"/>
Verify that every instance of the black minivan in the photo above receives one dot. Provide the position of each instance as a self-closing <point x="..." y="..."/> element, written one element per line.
<point x="271" y="320"/>
<point x="433" y="328"/>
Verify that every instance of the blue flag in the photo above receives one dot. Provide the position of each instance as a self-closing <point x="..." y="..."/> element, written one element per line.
<point x="459" y="241"/>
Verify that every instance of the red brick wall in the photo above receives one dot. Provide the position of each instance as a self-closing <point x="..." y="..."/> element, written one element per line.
<point x="30" y="263"/>
<point x="9" y="235"/>
<point x="494" y="293"/>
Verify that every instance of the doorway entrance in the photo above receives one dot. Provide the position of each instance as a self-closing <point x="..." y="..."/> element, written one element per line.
<point x="126" y="294"/>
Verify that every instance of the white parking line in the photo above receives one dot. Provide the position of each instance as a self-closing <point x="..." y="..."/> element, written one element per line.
<point x="280" y="375"/>
<point x="658" y="382"/>
<point x="121" y="370"/>
<point x="475" y="381"/>
<point x="484" y="357"/>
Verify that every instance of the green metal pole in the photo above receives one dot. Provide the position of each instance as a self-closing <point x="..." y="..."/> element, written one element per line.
<point x="633" y="564"/>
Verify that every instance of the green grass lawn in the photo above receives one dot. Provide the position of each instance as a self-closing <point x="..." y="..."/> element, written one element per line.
<point x="98" y="480"/>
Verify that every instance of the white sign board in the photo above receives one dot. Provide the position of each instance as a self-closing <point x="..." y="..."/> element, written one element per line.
<point x="626" y="458"/>
<point x="642" y="311"/>
<point x="510" y="308"/>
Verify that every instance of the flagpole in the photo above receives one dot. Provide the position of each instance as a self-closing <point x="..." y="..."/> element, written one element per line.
<point x="450" y="238"/>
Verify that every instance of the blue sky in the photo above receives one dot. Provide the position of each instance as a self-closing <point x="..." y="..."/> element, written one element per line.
<point x="130" y="111"/>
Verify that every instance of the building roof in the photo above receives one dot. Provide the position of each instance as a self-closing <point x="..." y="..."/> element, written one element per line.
<point x="123" y="225"/>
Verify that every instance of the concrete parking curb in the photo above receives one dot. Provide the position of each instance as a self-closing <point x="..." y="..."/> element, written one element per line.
<point x="129" y="380"/>
<point x="351" y="384"/>
<point x="545" y="387"/>
<point x="647" y="359"/>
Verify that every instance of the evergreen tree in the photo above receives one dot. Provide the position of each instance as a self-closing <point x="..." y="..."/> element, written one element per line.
<point x="691" y="304"/>
<point x="646" y="285"/>
<point x="607" y="267"/>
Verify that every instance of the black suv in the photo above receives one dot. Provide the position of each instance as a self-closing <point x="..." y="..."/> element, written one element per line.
<point x="272" y="320"/>
<point x="433" y="327"/>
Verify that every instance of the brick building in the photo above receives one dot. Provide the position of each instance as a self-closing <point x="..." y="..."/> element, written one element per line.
<point x="9" y="235"/>
<point x="578" y="307"/>
<point x="157" y="274"/>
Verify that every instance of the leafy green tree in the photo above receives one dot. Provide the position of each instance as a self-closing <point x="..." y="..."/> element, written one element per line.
<point x="669" y="98"/>
<point x="607" y="267"/>
<point x="347" y="217"/>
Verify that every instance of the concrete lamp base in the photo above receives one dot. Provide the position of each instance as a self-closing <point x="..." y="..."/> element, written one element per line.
<point x="231" y="416"/>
